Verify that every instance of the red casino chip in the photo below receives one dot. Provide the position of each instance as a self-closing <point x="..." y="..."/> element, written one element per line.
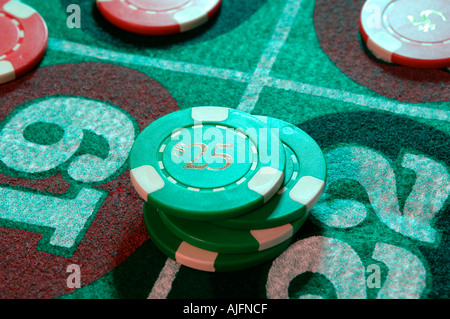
<point x="23" y="39"/>
<point x="154" y="17"/>
<point x="414" y="33"/>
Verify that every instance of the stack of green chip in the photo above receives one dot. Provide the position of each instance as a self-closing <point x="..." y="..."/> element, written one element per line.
<point x="225" y="190"/>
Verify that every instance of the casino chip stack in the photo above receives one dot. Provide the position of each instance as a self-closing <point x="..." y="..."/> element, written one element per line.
<point x="23" y="39"/>
<point x="156" y="17"/>
<point x="225" y="190"/>
<point x="414" y="33"/>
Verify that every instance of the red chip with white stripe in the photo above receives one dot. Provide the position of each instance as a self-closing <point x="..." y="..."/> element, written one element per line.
<point x="414" y="33"/>
<point x="156" y="17"/>
<point x="23" y="39"/>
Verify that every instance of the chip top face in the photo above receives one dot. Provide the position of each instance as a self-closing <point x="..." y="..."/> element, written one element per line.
<point x="424" y="21"/>
<point x="408" y="32"/>
<point x="208" y="156"/>
<point x="207" y="163"/>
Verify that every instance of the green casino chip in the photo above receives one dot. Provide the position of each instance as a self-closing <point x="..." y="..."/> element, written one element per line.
<point x="209" y="236"/>
<point x="304" y="181"/>
<point x="207" y="163"/>
<point x="198" y="258"/>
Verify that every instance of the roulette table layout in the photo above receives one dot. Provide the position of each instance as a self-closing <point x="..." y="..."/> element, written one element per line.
<point x="224" y="149"/>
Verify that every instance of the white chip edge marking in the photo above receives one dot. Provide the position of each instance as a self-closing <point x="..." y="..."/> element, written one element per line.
<point x="146" y="180"/>
<point x="294" y="159"/>
<point x="271" y="237"/>
<point x="241" y="134"/>
<point x="175" y="134"/>
<point x="170" y="178"/>
<point x="262" y="182"/>
<point x="382" y="44"/>
<point x="190" y="18"/>
<point x="7" y="72"/>
<point x="209" y="113"/>
<point x="307" y="190"/>
<point x="18" y="9"/>
<point x="194" y="257"/>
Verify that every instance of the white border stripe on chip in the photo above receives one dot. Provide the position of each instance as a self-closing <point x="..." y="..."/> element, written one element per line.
<point x="270" y="237"/>
<point x="18" y="9"/>
<point x="7" y="72"/>
<point x="194" y="257"/>
<point x="210" y="113"/>
<point x="146" y="180"/>
<point x="261" y="182"/>
<point x="306" y="191"/>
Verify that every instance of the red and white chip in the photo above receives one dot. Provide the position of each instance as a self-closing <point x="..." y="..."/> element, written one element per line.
<point x="23" y="39"/>
<point x="156" y="17"/>
<point x="414" y="33"/>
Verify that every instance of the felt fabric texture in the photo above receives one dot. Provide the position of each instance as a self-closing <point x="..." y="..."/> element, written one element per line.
<point x="115" y="229"/>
